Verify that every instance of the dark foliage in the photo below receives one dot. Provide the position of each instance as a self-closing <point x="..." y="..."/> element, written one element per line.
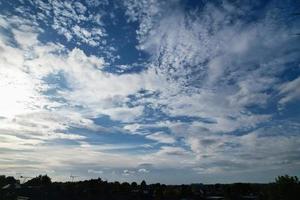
<point x="39" y="181"/>
<point x="41" y="188"/>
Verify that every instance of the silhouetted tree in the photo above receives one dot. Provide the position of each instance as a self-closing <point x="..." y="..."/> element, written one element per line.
<point x="41" y="188"/>
<point x="134" y="184"/>
<point x="287" y="187"/>
<point x="143" y="184"/>
<point x="41" y="180"/>
<point x="7" y="180"/>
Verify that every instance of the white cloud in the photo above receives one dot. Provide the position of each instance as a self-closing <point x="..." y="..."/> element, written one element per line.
<point x="219" y="68"/>
<point x="132" y="127"/>
<point x="16" y="143"/>
<point x="29" y="117"/>
<point x="90" y="87"/>
<point x="145" y="12"/>
<point x="252" y="151"/>
<point x="142" y="170"/>
<point x="26" y="36"/>
<point x="20" y="92"/>
<point x="69" y="19"/>
<point x="161" y="138"/>
<point x="124" y="114"/>
<point x="290" y="91"/>
<point x="127" y="172"/>
<point x="95" y="171"/>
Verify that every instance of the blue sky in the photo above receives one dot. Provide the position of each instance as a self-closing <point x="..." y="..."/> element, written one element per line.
<point x="176" y="91"/>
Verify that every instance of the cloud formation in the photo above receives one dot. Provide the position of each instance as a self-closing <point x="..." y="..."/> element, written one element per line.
<point x="216" y="93"/>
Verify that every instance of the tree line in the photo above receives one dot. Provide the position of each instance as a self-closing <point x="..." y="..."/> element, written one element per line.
<point x="42" y="188"/>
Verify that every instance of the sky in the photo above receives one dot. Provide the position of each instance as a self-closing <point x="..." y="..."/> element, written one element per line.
<point x="177" y="91"/>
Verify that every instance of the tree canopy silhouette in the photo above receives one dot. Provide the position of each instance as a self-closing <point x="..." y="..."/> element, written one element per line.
<point x="42" y="188"/>
<point x="40" y="180"/>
